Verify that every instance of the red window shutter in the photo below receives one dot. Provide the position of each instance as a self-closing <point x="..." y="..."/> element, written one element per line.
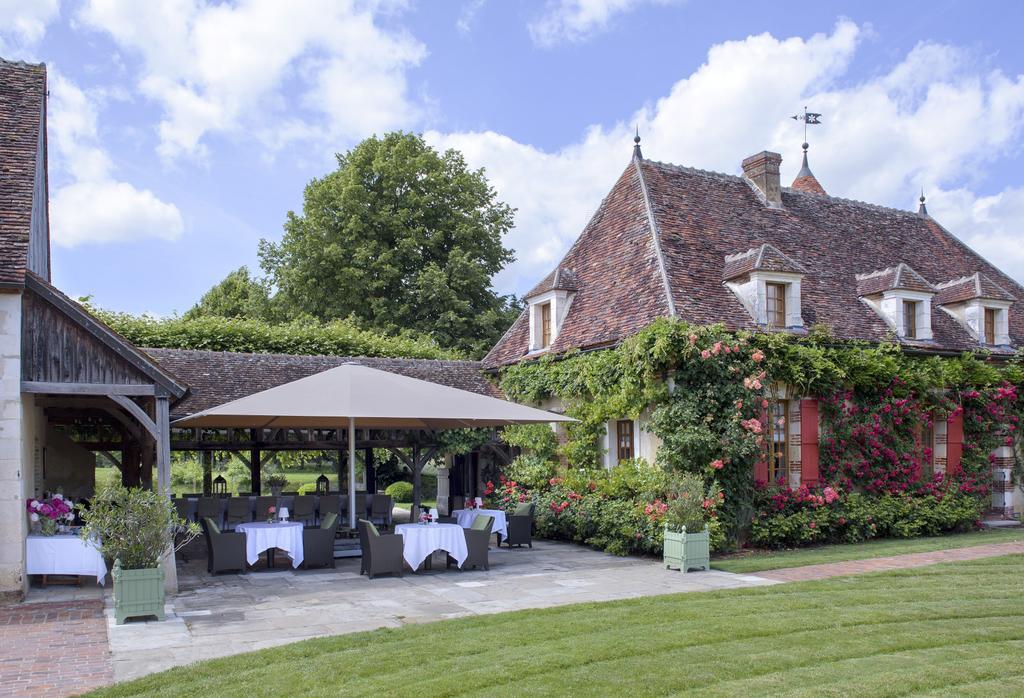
<point x="809" y="441"/>
<point x="954" y="442"/>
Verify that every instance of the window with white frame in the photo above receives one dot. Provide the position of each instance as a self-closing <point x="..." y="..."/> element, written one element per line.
<point x="908" y="313"/>
<point x="987" y="320"/>
<point x="547" y="312"/>
<point x="771" y="298"/>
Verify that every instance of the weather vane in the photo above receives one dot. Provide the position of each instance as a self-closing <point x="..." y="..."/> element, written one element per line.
<point x="808" y="117"/>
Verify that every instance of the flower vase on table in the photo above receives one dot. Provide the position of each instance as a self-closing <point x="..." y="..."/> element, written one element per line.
<point x="271" y="514"/>
<point x="50" y="514"/>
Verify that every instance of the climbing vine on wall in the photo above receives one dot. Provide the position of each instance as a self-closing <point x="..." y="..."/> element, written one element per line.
<point x="705" y="391"/>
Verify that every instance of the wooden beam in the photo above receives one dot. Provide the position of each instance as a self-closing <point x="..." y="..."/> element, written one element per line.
<point x="86" y="388"/>
<point x="140" y="415"/>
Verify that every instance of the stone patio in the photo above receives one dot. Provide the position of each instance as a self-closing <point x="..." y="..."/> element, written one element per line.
<point x="229" y="613"/>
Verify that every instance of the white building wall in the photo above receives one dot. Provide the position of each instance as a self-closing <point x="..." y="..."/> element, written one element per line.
<point x="13" y="447"/>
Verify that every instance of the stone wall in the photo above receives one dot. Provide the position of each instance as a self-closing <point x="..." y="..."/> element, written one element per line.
<point x="13" y="522"/>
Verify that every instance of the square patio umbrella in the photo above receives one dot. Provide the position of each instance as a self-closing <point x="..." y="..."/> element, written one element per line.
<point x="356" y="396"/>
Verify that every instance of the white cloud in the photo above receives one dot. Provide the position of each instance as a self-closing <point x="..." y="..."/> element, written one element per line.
<point x="25" y="22"/>
<point x="577" y="20"/>
<point x="241" y="67"/>
<point x="467" y="16"/>
<point x="96" y="207"/>
<point x="930" y="121"/>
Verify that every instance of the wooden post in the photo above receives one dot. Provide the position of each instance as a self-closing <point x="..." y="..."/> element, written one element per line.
<point x="371" y="471"/>
<point x="255" y="474"/>
<point x="207" y="458"/>
<point x="163" y="470"/>
<point x="417" y="484"/>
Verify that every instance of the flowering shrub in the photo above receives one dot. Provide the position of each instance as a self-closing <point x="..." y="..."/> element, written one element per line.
<point x="793" y="517"/>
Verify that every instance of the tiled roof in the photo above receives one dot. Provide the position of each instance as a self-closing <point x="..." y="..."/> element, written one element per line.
<point x="977" y="285"/>
<point x="900" y="277"/>
<point x="22" y="91"/>
<point x="561" y="279"/>
<point x="216" y="377"/>
<point x="763" y="258"/>
<point x="701" y="217"/>
<point x="616" y="266"/>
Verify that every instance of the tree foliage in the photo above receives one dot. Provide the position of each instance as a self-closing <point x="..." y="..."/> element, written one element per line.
<point x="239" y="295"/>
<point x="399" y="237"/>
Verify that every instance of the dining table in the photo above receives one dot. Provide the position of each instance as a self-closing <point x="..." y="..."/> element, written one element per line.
<point x="266" y="536"/>
<point x="465" y="518"/>
<point x="65" y="554"/>
<point x="421" y="540"/>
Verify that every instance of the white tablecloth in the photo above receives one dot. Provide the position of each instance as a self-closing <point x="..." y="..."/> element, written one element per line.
<point x="260" y="536"/>
<point x="64" y="554"/>
<point x="421" y="540"/>
<point x="465" y="517"/>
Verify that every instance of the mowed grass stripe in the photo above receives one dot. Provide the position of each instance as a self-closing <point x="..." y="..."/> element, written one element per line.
<point x="657" y="645"/>
<point x="773" y="560"/>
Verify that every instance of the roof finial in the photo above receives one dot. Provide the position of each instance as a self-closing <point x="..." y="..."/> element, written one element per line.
<point x="922" y="210"/>
<point x="636" y="145"/>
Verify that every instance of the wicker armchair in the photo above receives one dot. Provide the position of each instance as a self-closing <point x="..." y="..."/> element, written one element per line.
<point x="304" y="509"/>
<point x="209" y="508"/>
<point x="318" y="543"/>
<point x="382" y="554"/>
<point x="225" y="550"/>
<point x="520" y="526"/>
<point x="239" y="511"/>
<point x="478" y="540"/>
<point x="380" y="510"/>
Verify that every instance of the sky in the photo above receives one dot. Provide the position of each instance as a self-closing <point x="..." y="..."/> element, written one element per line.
<point x="181" y="132"/>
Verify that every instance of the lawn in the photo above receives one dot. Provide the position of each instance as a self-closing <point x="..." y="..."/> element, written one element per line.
<point x="954" y="628"/>
<point x="772" y="560"/>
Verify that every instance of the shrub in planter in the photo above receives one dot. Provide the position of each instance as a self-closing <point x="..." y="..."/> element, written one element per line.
<point x="400" y="491"/>
<point x="689" y="510"/>
<point x="276" y="482"/>
<point x="135" y="528"/>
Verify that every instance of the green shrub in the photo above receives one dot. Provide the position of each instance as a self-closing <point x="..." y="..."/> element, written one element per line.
<point x="532" y="471"/>
<point x="133" y="525"/>
<point x="400" y="491"/>
<point x="307" y="336"/>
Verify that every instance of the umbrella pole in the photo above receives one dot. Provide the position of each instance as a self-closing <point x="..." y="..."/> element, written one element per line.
<point x="351" y="472"/>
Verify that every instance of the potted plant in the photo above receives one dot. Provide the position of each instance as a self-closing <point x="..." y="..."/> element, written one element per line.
<point x="691" y="507"/>
<point x="50" y="515"/>
<point x="276" y="482"/>
<point x="136" y="528"/>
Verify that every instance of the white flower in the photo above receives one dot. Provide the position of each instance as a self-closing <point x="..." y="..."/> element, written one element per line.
<point x="34" y="516"/>
<point x="58" y="496"/>
<point x="36" y="504"/>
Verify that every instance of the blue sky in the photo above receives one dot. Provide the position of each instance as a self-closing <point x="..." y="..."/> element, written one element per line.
<point x="181" y="132"/>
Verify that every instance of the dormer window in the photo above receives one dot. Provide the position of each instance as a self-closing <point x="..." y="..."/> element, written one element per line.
<point x="775" y="304"/>
<point x="545" y="324"/>
<point x="767" y="283"/>
<point x="548" y="306"/>
<point x="910" y="319"/>
<point x="901" y="297"/>
<point x="980" y="305"/>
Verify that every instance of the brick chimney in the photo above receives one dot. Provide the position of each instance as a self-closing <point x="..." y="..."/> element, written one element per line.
<point x="762" y="169"/>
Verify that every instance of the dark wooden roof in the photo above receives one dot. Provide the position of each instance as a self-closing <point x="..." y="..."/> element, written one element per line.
<point x="699" y="218"/>
<point x="63" y="343"/>
<point x="216" y="377"/>
<point x="22" y="91"/>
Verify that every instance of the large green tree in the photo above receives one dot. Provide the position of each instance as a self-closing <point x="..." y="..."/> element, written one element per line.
<point x="400" y="237"/>
<point x="239" y="295"/>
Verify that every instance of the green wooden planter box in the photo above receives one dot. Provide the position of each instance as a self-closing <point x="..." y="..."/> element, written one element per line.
<point x="138" y="592"/>
<point x="687" y="551"/>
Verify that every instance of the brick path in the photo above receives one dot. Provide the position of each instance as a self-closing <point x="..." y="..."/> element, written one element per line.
<point x="894" y="562"/>
<point x="56" y="649"/>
